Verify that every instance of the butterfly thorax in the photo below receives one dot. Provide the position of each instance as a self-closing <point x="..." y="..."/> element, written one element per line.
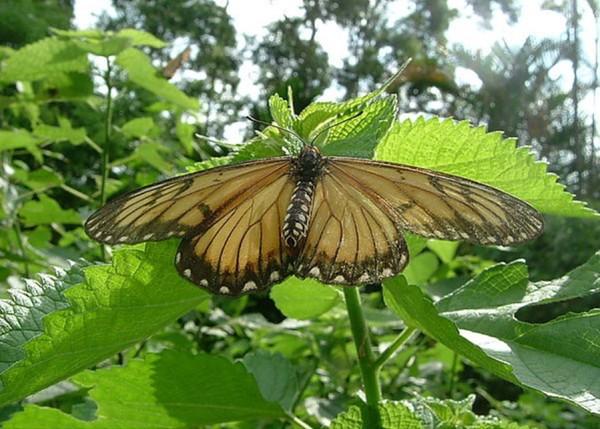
<point x="306" y="171"/>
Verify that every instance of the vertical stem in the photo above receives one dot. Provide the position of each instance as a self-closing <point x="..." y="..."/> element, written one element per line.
<point x="107" y="143"/>
<point x="17" y="229"/>
<point x="366" y="358"/>
<point x="107" y="128"/>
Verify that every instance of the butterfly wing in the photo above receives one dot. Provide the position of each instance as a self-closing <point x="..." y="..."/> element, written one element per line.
<point x="438" y="205"/>
<point x="351" y="239"/>
<point x="242" y="250"/>
<point x="177" y="206"/>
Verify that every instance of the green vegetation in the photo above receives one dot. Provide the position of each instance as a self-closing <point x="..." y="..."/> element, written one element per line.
<point x="466" y="337"/>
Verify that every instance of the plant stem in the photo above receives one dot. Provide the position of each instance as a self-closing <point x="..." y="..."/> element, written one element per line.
<point x="17" y="229"/>
<point x="406" y="335"/>
<point x="299" y="422"/>
<point x="107" y="142"/>
<point x="107" y="128"/>
<point x="364" y="352"/>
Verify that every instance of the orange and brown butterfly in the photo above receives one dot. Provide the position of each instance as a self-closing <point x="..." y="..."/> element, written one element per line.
<point x="247" y="226"/>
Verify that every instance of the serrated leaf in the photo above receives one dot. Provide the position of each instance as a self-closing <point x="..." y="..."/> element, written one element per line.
<point x="121" y="304"/>
<point x="107" y="43"/>
<point x="304" y="299"/>
<point x="176" y="389"/>
<point x="141" y="72"/>
<point x="44" y="58"/>
<point x="480" y="320"/>
<point x="394" y="415"/>
<point x="47" y="211"/>
<point x="458" y="148"/>
<point x="280" y="111"/>
<point x="276" y="377"/>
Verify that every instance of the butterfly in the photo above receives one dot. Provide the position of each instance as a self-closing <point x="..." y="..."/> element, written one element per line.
<point x="247" y="226"/>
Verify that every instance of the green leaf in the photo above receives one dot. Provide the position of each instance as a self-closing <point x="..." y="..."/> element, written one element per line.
<point x="481" y="321"/>
<point x="176" y="389"/>
<point x="304" y="299"/>
<point x="394" y="415"/>
<point x="138" y="127"/>
<point x="446" y="250"/>
<point x="40" y="179"/>
<point x="64" y="132"/>
<point x="276" y="377"/>
<point x="280" y="111"/>
<point x="141" y="72"/>
<point x="62" y="325"/>
<point x="17" y="139"/>
<point x="458" y="148"/>
<point x="106" y="44"/>
<point x="44" y="58"/>
<point x="420" y="268"/>
<point x="47" y="211"/>
<point x="359" y="137"/>
<point x="260" y="148"/>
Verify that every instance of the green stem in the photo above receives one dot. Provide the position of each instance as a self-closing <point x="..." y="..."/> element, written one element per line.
<point x="107" y="142"/>
<point x="406" y="335"/>
<point x="298" y="422"/>
<point x="107" y="128"/>
<point x="364" y="352"/>
<point x="17" y="229"/>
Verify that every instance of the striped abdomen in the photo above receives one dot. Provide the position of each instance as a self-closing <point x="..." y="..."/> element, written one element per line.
<point x="295" y="225"/>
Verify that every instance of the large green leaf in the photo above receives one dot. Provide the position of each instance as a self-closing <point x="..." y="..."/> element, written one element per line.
<point x="458" y="148"/>
<point x="59" y="326"/>
<point x="44" y="58"/>
<point x="481" y="321"/>
<point x="169" y="390"/>
<point x="141" y="72"/>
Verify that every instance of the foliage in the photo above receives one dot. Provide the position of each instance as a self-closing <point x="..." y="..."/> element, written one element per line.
<point x="132" y="331"/>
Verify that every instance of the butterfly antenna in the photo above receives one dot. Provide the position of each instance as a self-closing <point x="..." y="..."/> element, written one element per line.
<point x="356" y="115"/>
<point x="293" y="133"/>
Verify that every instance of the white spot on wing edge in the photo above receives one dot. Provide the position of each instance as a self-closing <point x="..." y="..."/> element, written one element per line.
<point x="315" y="271"/>
<point x="364" y="278"/>
<point x="123" y="238"/>
<point x="148" y="236"/>
<point x="178" y="257"/>
<point x="274" y="276"/>
<point x="249" y="286"/>
<point x="204" y="282"/>
<point x="339" y="279"/>
<point x="387" y="272"/>
<point x="224" y="289"/>
<point x="187" y="272"/>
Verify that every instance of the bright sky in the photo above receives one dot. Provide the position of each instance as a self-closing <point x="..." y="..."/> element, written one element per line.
<point x="252" y="17"/>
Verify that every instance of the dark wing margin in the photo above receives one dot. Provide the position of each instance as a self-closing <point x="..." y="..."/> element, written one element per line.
<point x="439" y="205"/>
<point x="177" y="206"/>
<point x="351" y="239"/>
<point x="242" y="249"/>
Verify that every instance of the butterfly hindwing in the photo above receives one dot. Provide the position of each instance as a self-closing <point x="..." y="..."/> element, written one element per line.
<point x="241" y="250"/>
<point x="439" y="205"/>
<point x="176" y="206"/>
<point x="351" y="239"/>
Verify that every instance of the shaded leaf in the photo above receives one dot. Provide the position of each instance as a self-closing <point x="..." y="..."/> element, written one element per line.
<point x="304" y="299"/>
<point x="47" y="211"/>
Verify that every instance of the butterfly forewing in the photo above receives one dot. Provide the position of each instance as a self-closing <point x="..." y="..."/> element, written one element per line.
<point x="351" y="239"/>
<point x="242" y="250"/>
<point x="439" y="205"/>
<point x="177" y="206"/>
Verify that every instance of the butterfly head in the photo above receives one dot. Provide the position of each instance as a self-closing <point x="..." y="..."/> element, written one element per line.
<point x="310" y="161"/>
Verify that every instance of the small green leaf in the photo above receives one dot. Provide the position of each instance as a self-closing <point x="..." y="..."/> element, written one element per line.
<point x="17" y="139"/>
<point x="420" y="268"/>
<point x="394" y="415"/>
<point x="44" y="58"/>
<point x="471" y="152"/>
<point x="276" y="377"/>
<point x="64" y="132"/>
<point x="176" y="389"/>
<point x="304" y="299"/>
<point x="138" y="127"/>
<point x="141" y="72"/>
<point x="280" y="111"/>
<point x="444" y="249"/>
<point x="47" y="211"/>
